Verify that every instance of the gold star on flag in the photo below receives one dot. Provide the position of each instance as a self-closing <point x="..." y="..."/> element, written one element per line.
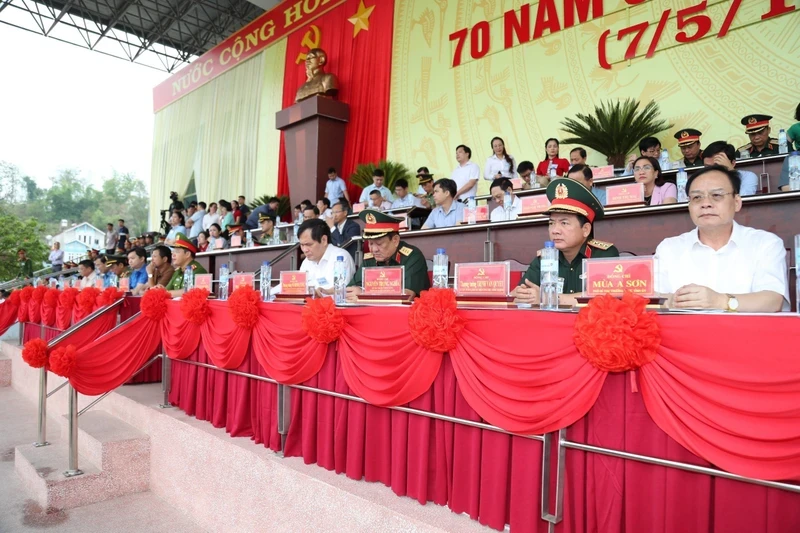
<point x="360" y="20"/>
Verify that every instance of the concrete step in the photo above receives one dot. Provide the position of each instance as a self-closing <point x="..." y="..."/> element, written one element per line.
<point x="114" y="456"/>
<point x="5" y="371"/>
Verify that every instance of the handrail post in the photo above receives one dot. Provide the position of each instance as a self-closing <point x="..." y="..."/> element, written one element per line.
<point x="284" y="414"/>
<point x="553" y="518"/>
<point x="42" y="425"/>
<point x="166" y="381"/>
<point x="21" y="333"/>
<point x="73" y="434"/>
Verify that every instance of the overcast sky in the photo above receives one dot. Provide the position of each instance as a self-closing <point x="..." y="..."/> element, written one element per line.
<point x="62" y="106"/>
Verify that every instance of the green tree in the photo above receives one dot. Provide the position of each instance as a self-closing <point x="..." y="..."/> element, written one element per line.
<point x="16" y="233"/>
<point x="32" y="190"/>
<point x="69" y="197"/>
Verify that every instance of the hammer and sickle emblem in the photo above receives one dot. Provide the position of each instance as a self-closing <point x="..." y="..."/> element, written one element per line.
<point x="481" y="272"/>
<point x="618" y="269"/>
<point x="311" y="39"/>
<point x="383" y="274"/>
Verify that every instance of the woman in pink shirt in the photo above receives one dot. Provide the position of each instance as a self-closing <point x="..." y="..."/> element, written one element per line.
<point x="657" y="190"/>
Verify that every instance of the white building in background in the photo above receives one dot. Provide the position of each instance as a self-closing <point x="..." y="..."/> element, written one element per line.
<point x="78" y="240"/>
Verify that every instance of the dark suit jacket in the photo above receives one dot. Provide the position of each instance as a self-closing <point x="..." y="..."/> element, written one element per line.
<point x="350" y="229"/>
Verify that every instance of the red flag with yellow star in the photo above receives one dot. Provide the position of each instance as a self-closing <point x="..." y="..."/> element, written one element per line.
<point x="357" y="37"/>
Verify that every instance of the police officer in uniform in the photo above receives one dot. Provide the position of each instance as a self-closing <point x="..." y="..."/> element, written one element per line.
<point x="689" y="143"/>
<point x="183" y="252"/>
<point x="381" y="231"/>
<point x="267" y="223"/>
<point x="573" y="211"/>
<point x="761" y="144"/>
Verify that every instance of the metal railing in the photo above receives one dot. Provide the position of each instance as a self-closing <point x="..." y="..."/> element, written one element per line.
<point x="21" y="282"/>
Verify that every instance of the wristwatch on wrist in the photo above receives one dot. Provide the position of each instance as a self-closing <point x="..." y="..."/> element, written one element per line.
<point x="149" y="276"/>
<point x="733" y="303"/>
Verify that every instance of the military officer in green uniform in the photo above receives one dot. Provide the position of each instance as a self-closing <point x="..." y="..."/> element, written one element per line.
<point x="267" y="223"/>
<point x="573" y="211"/>
<point x="689" y="143"/>
<point x="183" y="253"/>
<point x="761" y="144"/>
<point x="382" y="233"/>
<point x="425" y="191"/>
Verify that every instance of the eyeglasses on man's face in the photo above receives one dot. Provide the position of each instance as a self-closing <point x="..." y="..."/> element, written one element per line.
<point x="715" y="196"/>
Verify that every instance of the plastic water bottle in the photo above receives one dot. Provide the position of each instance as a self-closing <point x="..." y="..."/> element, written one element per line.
<point x="664" y="160"/>
<point x="549" y="277"/>
<point x="113" y="280"/>
<point x="508" y="204"/>
<point x="553" y="172"/>
<point x="783" y="146"/>
<point x="441" y="269"/>
<point x="680" y="181"/>
<point x="265" y="280"/>
<point x="188" y="278"/>
<point x="471" y="215"/>
<point x="223" y="281"/>
<point x="339" y="280"/>
<point x="297" y="222"/>
<point x="249" y="239"/>
<point x="276" y="236"/>
<point x="744" y="153"/>
<point x="794" y="171"/>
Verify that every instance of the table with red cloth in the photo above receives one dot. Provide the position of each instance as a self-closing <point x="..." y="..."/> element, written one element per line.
<point x="495" y="477"/>
<point x="151" y="374"/>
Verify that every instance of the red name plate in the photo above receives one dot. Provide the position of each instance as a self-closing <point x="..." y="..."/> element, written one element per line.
<point x="293" y="282"/>
<point x="203" y="281"/>
<point x="481" y="214"/>
<point x="218" y="244"/>
<point x="386" y="281"/>
<point x="236" y="241"/>
<point x="98" y="283"/>
<point x="517" y="183"/>
<point x="603" y="172"/>
<point x="628" y="194"/>
<point x="357" y="208"/>
<point x="403" y="222"/>
<point x="482" y="279"/>
<point x="532" y="205"/>
<point x="243" y="280"/>
<point x="125" y="284"/>
<point x="618" y="275"/>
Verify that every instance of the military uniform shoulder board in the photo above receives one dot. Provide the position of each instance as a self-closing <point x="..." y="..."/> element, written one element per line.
<point x="405" y="250"/>
<point x="602" y="245"/>
<point x="367" y="256"/>
<point x="745" y="147"/>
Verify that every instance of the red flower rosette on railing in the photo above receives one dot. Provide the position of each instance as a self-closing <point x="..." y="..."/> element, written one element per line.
<point x="35" y="304"/>
<point x="51" y="298"/>
<point x="108" y="297"/>
<point x="194" y="306"/>
<point x="35" y="353"/>
<point x="13" y="298"/>
<point x="49" y="305"/>
<point x="617" y="335"/>
<point x="85" y="302"/>
<point x="66" y="301"/>
<point x="154" y="304"/>
<point x="63" y="360"/>
<point x="25" y="295"/>
<point x="434" y="321"/>
<point x="321" y="320"/>
<point x="243" y="307"/>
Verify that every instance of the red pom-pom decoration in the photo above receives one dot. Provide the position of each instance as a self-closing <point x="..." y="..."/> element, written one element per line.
<point x="35" y="353"/>
<point x="22" y="312"/>
<point x="67" y="298"/>
<point x="13" y="298"/>
<point x="109" y="296"/>
<point x="51" y="297"/>
<point x="86" y="300"/>
<point x="38" y="294"/>
<point x="243" y="307"/>
<point x="434" y="321"/>
<point x="617" y="335"/>
<point x="63" y="360"/>
<point x="154" y="304"/>
<point x="25" y="294"/>
<point x="321" y="320"/>
<point x="194" y="306"/>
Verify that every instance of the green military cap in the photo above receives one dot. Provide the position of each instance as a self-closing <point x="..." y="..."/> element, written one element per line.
<point x="377" y="224"/>
<point x="114" y="259"/>
<point x="570" y="196"/>
<point x="755" y="123"/>
<point x="687" y="136"/>
<point x="262" y="217"/>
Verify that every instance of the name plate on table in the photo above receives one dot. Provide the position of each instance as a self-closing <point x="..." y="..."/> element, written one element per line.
<point x="219" y="244"/>
<point x="357" y="208"/>
<point x="533" y="205"/>
<point x="203" y="281"/>
<point x="236" y="241"/>
<point x="294" y="287"/>
<point x="403" y="222"/>
<point x="125" y="284"/>
<point x="482" y="283"/>
<point x="383" y="285"/>
<point x="617" y="275"/>
<point x="603" y="172"/>
<point x="98" y="283"/>
<point x="628" y="194"/>
<point x="481" y="214"/>
<point x="243" y="280"/>
<point x="517" y="184"/>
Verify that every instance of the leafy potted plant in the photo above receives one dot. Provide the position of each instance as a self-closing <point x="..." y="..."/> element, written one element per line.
<point x="615" y="128"/>
<point x="392" y="171"/>
<point x="283" y="205"/>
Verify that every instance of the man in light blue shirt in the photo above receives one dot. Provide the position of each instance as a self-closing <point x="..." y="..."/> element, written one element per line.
<point x="377" y="183"/>
<point x="583" y="174"/>
<point x="403" y="199"/>
<point x="448" y="212"/>
<point x="335" y="188"/>
<point x="137" y="260"/>
<point x="722" y="153"/>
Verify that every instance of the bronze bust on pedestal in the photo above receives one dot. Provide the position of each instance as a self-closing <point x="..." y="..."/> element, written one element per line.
<point x="318" y="81"/>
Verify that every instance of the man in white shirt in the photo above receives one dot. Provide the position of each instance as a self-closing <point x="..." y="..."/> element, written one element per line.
<point x="324" y="206"/>
<point x="498" y="192"/>
<point x="86" y="271"/>
<point x="376" y="201"/>
<point x="403" y="199"/>
<point x="335" y="187"/>
<point x="722" y="153"/>
<point x="377" y="183"/>
<point x="321" y="256"/>
<point x="720" y="264"/>
<point x="466" y="174"/>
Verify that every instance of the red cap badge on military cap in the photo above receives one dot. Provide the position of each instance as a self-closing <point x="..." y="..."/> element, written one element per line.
<point x="182" y="241"/>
